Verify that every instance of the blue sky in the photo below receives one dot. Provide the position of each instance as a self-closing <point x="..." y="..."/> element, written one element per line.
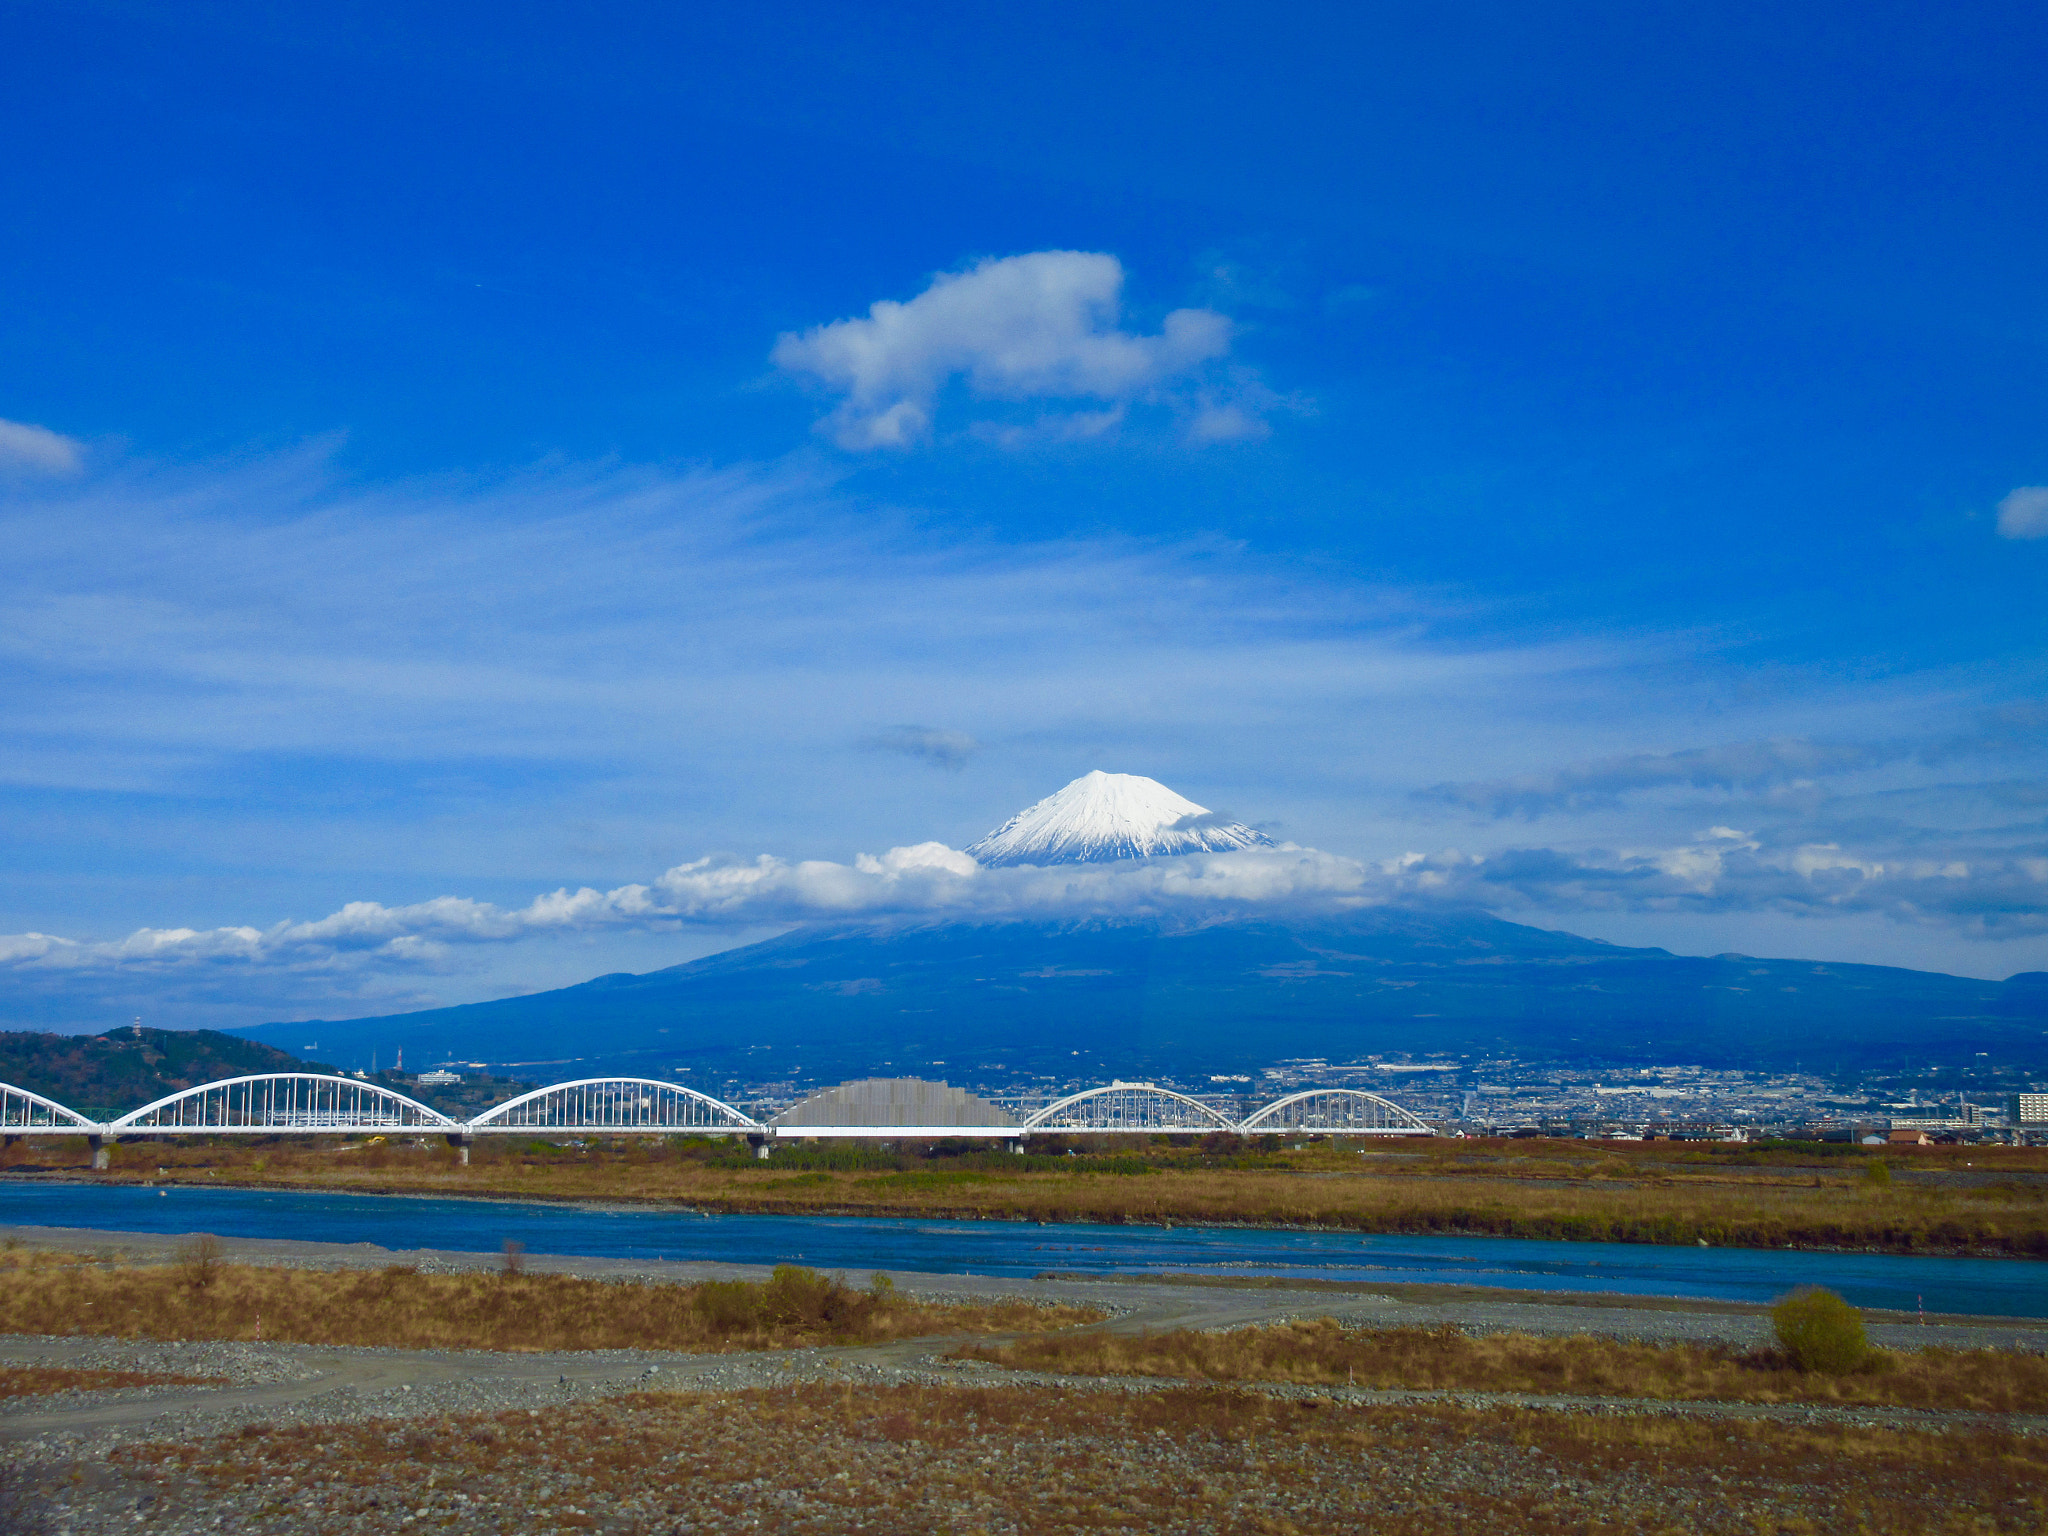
<point x="1584" y="460"/>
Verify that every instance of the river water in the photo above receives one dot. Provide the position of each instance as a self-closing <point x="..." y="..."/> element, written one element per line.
<point x="1988" y="1287"/>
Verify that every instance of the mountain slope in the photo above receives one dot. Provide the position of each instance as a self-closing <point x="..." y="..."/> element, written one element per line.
<point x="1105" y="816"/>
<point x="995" y="1000"/>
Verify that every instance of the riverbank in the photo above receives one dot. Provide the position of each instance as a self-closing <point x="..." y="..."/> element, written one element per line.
<point x="896" y="1438"/>
<point x="1974" y="1201"/>
<point x="202" y="1294"/>
<point x="1156" y="1301"/>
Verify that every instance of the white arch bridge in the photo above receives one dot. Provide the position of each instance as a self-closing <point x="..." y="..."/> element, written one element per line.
<point x="313" y="1103"/>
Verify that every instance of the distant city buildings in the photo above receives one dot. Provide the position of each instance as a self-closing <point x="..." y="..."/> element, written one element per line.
<point x="1509" y="1096"/>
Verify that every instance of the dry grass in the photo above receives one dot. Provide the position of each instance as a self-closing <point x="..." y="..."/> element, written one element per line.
<point x="41" y="1380"/>
<point x="49" y="1293"/>
<point x="1325" y="1353"/>
<point x="826" y="1459"/>
<point x="1652" y="1193"/>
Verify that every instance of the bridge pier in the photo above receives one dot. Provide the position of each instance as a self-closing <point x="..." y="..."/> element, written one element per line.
<point x="102" y="1157"/>
<point x="460" y="1141"/>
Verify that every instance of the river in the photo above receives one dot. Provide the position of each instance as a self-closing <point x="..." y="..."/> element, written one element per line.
<point x="1987" y="1287"/>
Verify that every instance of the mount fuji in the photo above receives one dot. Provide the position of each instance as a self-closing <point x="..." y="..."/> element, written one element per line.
<point x="991" y="999"/>
<point x="1105" y="816"/>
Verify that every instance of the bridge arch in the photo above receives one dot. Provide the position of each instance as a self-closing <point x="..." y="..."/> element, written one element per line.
<point x="606" y="1105"/>
<point x="21" y="1110"/>
<point x="1342" y="1111"/>
<point x="273" y="1102"/>
<point x="1128" y="1107"/>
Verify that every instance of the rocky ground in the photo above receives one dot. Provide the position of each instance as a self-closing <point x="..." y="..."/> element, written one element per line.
<point x="830" y="1456"/>
<point x="894" y="1437"/>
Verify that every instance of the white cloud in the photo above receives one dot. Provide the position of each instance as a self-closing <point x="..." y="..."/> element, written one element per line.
<point x="923" y="879"/>
<point x="38" y="450"/>
<point x="1039" y="326"/>
<point x="2024" y="513"/>
<point x="1993" y="897"/>
<point x="1990" y="894"/>
<point x="1226" y="423"/>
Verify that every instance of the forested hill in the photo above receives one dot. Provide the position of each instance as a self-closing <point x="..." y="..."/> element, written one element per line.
<point x="128" y="1067"/>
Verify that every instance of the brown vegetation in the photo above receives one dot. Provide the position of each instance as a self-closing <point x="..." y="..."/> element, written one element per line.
<point x="1655" y="1192"/>
<point x="1818" y="1331"/>
<point x="50" y="1293"/>
<point x="41" y="1380"/>
<point x="1325" y="1353"/>
<point x="827" y="1458"/>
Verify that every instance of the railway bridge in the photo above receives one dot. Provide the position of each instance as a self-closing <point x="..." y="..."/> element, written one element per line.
<point x="874" y="1109"/>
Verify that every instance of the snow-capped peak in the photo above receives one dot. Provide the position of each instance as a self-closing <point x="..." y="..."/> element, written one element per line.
<point x="1103" y="816"/>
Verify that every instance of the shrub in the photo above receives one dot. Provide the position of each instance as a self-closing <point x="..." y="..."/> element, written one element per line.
<point x="791" y="1297"/>
<point x="795" y="1295"/>
<point x="729" y="1306"/>
<point x="200" y="1258"/>
<point x="1820" y="1331"/>
<point x="1878" y="1175"/>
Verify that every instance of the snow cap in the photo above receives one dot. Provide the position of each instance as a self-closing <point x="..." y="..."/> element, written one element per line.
<point x="1105" y="816"/>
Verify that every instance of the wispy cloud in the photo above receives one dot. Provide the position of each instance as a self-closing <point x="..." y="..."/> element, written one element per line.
<point x="473" y="686"/>
<point x="1606" y="781"/>
<point x="1043" y="326"/>
<point x="942" y="749"/>
<point x="412" y="706"/>
<point x="38" y="450"/>
<point x="1979" y="894"/>
<point x="2023" y="514"/>
<point x="1738" y="766"/>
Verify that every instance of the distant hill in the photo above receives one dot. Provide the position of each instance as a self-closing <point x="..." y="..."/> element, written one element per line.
<point x="990" y="1001"/>
<point x="128" y="1067"/>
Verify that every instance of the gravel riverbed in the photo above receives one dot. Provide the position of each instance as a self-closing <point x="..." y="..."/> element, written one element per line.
<point x="889" y="1438"/>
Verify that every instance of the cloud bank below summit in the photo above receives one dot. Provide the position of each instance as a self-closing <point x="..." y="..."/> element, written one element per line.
<point x="1723" y="870"/>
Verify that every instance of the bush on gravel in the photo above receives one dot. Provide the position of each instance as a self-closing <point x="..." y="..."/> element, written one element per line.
<point x="1820" y="1331"/>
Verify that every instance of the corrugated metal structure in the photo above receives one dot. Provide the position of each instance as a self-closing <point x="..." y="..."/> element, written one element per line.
<point x="909" y="1104"/>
